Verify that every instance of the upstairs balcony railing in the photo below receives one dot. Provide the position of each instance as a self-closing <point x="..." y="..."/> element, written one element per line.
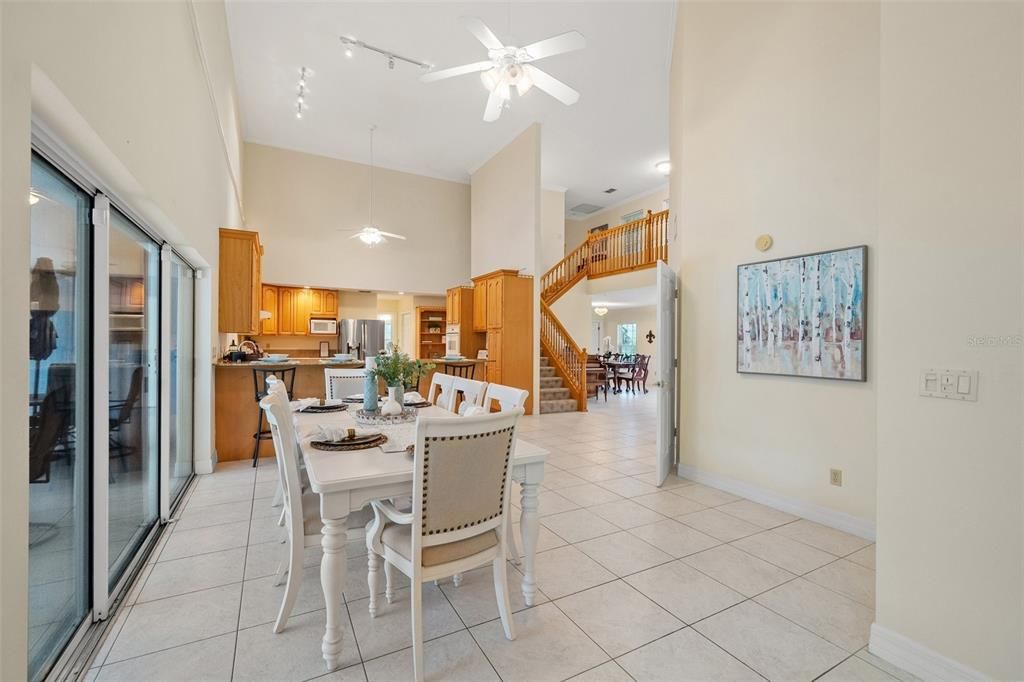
<point x="632" y="246"/>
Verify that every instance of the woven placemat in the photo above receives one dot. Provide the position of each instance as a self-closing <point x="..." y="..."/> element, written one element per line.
<point x="358" y="443"/>
<point x="425" y="403"/>
<point x="326" y="408"/>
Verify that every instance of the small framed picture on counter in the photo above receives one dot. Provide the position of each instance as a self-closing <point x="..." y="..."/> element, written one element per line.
<point x="325" y="349"/>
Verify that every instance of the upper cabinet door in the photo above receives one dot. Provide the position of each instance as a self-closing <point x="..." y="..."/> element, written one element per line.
<point x="494" y="309"/>
<point x="316" y="301"/>
<point x="454" y="306"/>
<point x="268" y="327"/>
<point x="240" y="281"/>
<point x="286" y="309"/>
<point x="330" y="305"/>
<point x="303" y="311"/>
<point x="480" y="307"/>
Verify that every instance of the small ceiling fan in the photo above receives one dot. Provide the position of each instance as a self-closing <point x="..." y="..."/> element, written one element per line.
<point x="369" y="234"/>
<point x="508" y="66"/>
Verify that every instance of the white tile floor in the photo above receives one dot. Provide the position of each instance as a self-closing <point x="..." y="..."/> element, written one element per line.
<point x="682" y="582"/>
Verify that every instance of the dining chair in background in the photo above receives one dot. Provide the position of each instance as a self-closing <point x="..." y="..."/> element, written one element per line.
<point x="467" y="393"/>
<point x="339" y="383"/>
<point x="441" y="392"/>
<point x="461" y="490"/>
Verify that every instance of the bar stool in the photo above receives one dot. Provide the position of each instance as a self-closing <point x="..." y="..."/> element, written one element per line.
<point x="465" y="371"/>
<point x="259" y="384"/>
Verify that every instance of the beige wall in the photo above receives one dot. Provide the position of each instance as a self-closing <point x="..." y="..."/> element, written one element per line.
<point x="506" y="207"/>
<point x="506" y="218"/>
<point x="807" y="73"/>
<point x="573" y="310"/>
<point x="576" y="230"/>
<point x="897" y="125"/>
<point x="138" y="112"/>
<point x="950" y="523"/>
<point x="301" y="204"/>
<point x="552" y="228"/>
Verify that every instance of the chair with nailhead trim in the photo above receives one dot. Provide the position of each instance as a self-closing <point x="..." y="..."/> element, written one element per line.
<point x="460" y="506"/>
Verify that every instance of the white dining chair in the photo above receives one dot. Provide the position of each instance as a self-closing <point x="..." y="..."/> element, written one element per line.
<point x="507" y="397"/>
<point x="440" y="392"/>
<point x="301" y="512"/>
<point x="472" y="393"/>
<point x="275" y="385"/>
<point x="339" y="383"/>
<point x="461" y="492"/>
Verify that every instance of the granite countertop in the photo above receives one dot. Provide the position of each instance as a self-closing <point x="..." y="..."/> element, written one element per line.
<point x="463" y="361"/>
<point x="292" y="362"/>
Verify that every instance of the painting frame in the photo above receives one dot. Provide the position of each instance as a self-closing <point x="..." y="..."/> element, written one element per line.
<point x="861" y="288"/>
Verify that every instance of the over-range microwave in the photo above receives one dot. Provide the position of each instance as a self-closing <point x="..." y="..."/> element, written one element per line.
<point x="323" y="326"/>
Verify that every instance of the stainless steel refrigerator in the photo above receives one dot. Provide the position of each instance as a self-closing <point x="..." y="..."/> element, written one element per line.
<point x="362" y="338"/>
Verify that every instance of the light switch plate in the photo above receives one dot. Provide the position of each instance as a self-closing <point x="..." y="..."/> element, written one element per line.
<point x="949" y="384"/>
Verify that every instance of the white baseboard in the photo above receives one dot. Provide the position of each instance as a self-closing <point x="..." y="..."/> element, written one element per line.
<point x="829" y="517"/>
<point x="916" y="658"/>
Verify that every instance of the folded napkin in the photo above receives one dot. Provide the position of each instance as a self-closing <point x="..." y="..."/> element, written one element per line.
<point x="471" y="410"/>
<point x="300" y="405"/>
<point x="337" y="433"/>
<point x="413" y="397"/>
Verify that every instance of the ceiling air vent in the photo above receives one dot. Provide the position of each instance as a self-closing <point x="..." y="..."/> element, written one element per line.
<point x="610" y="190"/>
<point x="585" y="209"/>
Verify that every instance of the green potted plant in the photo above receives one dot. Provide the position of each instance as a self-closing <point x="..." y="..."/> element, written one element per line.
<point x="397" y="370"/>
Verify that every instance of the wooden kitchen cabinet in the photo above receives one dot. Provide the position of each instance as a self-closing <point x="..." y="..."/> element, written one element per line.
<point x="480" y="307"/>
<point x="303" y="311"/>
<point x="460" y="305"/>
<point x="508" y="320"/>
<point x="330" y="307"/>
<point x="494" y="302"/>
<point x="286" y="311"/>
<point x="240" y="283"/>
<point x="269" y="303"/>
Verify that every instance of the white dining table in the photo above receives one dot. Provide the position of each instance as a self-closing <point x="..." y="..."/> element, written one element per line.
<point x="347" y="481"/>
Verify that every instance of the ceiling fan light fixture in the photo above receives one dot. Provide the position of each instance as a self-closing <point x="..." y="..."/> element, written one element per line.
<point x="663" y="167"/>
<point x="370" y="236"/>
<point x="33" y="197"/>
<point x="490" y="79"/>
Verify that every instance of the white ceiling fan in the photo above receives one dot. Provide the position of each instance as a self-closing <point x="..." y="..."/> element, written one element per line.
<point x="369" y="234"/>
<point x="508" y="66"/>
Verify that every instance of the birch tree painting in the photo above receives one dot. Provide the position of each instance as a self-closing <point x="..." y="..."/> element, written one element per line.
<point x="803" y="316"/>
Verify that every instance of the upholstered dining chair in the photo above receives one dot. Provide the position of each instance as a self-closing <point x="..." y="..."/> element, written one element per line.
<point x="339" y="383"/>
<point x="460" y="505"/>
<point x="441" y="392"/>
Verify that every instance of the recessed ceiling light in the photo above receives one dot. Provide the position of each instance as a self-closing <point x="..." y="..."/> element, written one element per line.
<point x="663" y="167"/>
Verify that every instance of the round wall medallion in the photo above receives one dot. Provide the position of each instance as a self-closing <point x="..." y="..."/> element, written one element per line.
<point x="764" y="242"/>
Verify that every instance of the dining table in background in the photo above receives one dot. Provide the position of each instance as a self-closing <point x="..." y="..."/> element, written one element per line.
<point x="347" y="481"/>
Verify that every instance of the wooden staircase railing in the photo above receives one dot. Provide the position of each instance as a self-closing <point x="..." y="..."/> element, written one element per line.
<point x="568" y="359"/>
<point x="632" y="246"/>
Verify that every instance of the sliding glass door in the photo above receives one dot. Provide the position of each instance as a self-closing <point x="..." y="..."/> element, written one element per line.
<point x="134" y="361"/>
<point x="182" y="314"/>
<point x="110" y="394"/>
<point x="58" y="400"/>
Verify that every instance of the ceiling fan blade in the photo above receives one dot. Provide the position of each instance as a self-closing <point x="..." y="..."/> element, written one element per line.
<point x="393" y="235"/>
<point x="482" y="33"/>
<point x="494" y="104"/>
<point x="551" y="85"/>
<point x="560" y="44"/>
<point x="356" y="235"/>
<point x="456" y="71"/>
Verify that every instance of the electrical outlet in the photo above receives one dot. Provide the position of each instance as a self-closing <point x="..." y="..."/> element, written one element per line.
<point x="835" y="477"/>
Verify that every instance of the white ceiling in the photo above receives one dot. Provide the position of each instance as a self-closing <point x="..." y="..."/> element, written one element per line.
<point x="626" y="298"/>
<point x="612" y="137"/>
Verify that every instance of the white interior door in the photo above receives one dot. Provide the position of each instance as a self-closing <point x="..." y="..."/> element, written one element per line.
<point x="666" y="362"/>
